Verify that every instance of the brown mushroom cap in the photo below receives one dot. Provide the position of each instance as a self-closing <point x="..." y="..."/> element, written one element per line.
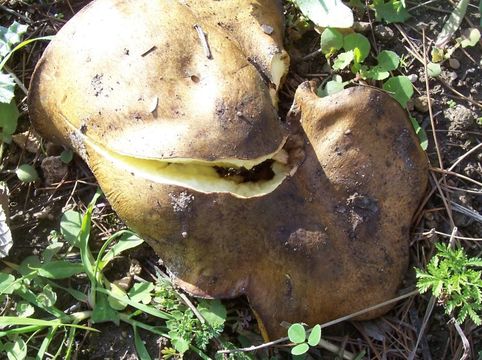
<point x="149" y="89"/>
<point x="252" y="25"/>
<point x="325" y="240"/>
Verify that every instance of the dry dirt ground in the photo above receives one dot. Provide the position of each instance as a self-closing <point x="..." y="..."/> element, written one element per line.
<point x="453" y="199"/>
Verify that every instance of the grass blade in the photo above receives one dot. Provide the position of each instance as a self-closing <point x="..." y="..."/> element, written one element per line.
<point x="16" y="321"/>
<point x="145" y="308"/>
<point x="452" y="23"/>
<point x="141" y="350"/>
<point x="76" y="294"/>
<point x="22" y="330"/>
<point x="45" y="343"/>
<point x="70" y="341"/>
<point x="127" y="241"/>
<point x="84" y="235"/>
<point x="21" y="45"/>
<point x="60" y="269"/>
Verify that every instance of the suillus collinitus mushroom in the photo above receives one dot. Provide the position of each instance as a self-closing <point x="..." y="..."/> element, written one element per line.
<point x="308" y="218"/>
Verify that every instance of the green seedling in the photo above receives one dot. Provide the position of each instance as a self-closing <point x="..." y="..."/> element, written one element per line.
<point x="451" y="103"/>
<point x="387" y="61"/>
<point x="26" y="173"/>
<point x="66" y="156"/>
<point x="433" y="69"/>
<point x="331" y="41"/>
<point x="391" y="11"/>
<point x="297" y="335"/>
<point x="422" y="135"/>
<point x="356" y="49"/>
<point x="400" y="87"/>
<point x="470" y="37"/>
<point x="456" y="281"/>
<point x="332" y="86"/>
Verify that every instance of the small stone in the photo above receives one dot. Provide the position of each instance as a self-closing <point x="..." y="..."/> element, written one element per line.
<point x="348" y="132"/>
<point x="361" y="26"/>
<point x="383" y="33"/>
<point x="454" y="63"/>
<point x="135" y="267"/>
<point x="45" y="213"/>
<point x="124" y="283"/>
<point x="461" y="119"/>
<point x="413" y="77"/>
<point x="421" y="104"/>
<point x="27" y="141"/>
<point x="267" y="29"/>
<point x="452" y="75"/>
<point x="54" y="169"/>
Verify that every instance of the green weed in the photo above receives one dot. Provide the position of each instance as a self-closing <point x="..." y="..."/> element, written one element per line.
<point x="35" y="285"/>
<point x="302" y="343"/>
<point x="350" y="50"/>
<point x="456" y="281"/>
<point x="10" y="42"/>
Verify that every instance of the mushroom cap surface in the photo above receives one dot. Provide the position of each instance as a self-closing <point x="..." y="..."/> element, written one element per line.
<point x="149" y="89"/>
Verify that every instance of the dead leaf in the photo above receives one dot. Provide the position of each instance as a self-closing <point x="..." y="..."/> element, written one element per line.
<point x="28" y="141"/>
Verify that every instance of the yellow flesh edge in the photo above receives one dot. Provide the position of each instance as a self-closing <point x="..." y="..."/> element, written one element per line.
<point x="279" y="68"/>
<point x="200" y="175"/>
<point x="194" y="174"/>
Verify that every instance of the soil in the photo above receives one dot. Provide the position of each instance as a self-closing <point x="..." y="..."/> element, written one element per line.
<point x="456" y="106"/>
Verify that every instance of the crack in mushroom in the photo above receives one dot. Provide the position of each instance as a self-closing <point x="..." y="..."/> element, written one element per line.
<point x="240" y="178"/>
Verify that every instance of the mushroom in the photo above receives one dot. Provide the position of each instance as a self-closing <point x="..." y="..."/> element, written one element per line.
<point x="176" y="116"/>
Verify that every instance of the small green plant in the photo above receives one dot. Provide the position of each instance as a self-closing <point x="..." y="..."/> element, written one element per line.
<point x="469" y="38"/>
<point x="356" y="49"/>
<point x="456" y="281"/>
<point x="452" y="24"/>
<point x="421" y="134"/>
<point x="451" y="103"/>
<point x="10" y="41"/>
<point x="297" y="335"/>
<point x="26" y="173"/>
<point x="35" y="286"/>
<point x="185" y="329"/>
<point x="392" y="11"/>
